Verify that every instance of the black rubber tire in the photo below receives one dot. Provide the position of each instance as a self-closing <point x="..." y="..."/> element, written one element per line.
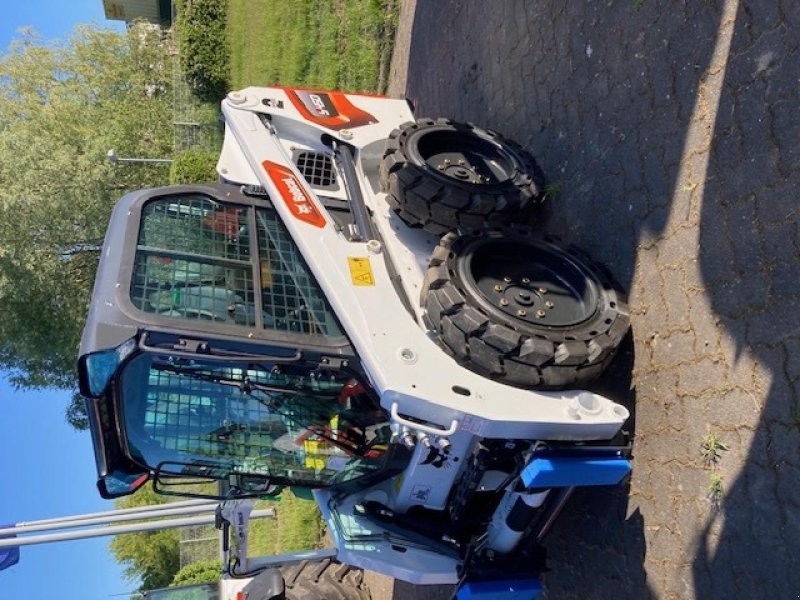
<point x="490" y="339"/>
<point x="324" y="580"/>
<point x="437" y="200"/>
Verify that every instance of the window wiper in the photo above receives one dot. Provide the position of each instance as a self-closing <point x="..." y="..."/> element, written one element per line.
<point x="194" y="349"/>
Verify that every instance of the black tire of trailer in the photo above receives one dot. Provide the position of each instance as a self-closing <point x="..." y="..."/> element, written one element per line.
<point x="426" y="186"/>
<point x="478" y="286"/>
<point x="324" y="580"/>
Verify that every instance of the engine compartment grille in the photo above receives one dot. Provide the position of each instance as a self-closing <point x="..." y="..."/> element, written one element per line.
<point x="316" y="168"/>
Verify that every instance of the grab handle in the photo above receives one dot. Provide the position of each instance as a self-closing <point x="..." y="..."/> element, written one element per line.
<point x="424" y="428"/>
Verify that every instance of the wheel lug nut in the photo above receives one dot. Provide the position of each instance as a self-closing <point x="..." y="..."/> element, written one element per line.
<point x="498" y="288"/>
<point x="461" y="162"/>
<point x="526" y="280"/>
<point x="542" y="291"/>
<point x="440" y="167"/>
<point x="549" y="304"/>
<point x="522" y="312"/>
<point x="503" y="302"/>
<point x="540" y="313"/>
<point x="447" y="161"/>
<point x="507" y="279"/>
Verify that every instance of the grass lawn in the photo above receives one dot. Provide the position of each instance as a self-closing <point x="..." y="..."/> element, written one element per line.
<point x="298" y="526"/>
<point x="329" y="44"/>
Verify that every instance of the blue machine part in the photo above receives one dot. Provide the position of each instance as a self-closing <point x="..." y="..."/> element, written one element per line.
<point x="572" y="471"/>
<point x="506" y="589"/>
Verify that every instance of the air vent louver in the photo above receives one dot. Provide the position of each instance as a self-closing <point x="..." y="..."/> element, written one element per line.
<point x="316" y="168"/>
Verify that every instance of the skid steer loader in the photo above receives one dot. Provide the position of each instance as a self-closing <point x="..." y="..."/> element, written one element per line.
<point x="358" y="310"/>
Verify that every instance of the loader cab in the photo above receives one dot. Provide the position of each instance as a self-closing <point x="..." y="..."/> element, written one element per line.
<point x="210" y="352"/>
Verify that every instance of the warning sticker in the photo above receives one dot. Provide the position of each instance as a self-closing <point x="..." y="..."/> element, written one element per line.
<point x="360" y="270"/>
<point x="420" y="493"/>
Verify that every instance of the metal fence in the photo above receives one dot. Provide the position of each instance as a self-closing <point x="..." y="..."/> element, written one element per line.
<point x="199" y="543"/>
<point x="195" y="124"/>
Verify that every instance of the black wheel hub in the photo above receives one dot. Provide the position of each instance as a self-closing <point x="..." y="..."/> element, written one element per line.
<point x="466" y="157"/>
<point x="535" y="285"/>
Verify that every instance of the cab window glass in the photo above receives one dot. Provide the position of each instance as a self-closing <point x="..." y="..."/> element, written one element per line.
<point x="195" y="259"/>
<point x="295" y="427"/>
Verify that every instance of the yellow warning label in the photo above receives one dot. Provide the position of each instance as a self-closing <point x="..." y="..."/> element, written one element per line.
<point x="360" y="270"/>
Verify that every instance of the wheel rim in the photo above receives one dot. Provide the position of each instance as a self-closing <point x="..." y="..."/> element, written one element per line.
<point x="467" y="158"/>
<point x="530" y="284"/>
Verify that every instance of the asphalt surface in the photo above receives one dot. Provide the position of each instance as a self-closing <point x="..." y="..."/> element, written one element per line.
<point x="669" y="133"/>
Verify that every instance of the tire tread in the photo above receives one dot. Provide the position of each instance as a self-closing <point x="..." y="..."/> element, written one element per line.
<point x="422" y="197"/>
<point x="548" y="358"/>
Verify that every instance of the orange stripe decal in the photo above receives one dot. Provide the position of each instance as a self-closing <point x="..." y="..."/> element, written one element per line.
<point x="294" y="194"/>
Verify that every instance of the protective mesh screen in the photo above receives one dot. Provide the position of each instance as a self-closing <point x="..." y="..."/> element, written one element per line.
<point x="249" y="418"/>
<point x="194" y="261"/>
<point x="188" y="415"/>
<point x="290" y="296"/>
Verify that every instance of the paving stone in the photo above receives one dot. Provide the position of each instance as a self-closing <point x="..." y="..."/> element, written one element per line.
<point x="787" y="129"/>
<point x="743" y="226"/>
<point x="679" y="247"/>
<point x="698" y="377"/>
<point x="675" y="297"/>
<point x="675" y="412"/>
<point x="778" y="244"/>
<point x="703" y="324"/>
<point x="654" y="321"/>
<point x="696" y="422"/>
<point x="785" y="280"/>
<point x="759" y="447"/>
<point x="657" y="388"/>
<point x="771" y="207"/>
<point x="669" y="350"/>
<point x="792" y="346"/>
<point x="727" y="148"/>
<point x="743" y="295"/>
<point x="786" y="489"/>
<point x="779" y="320"/>
<point x="733" y="407"/>
<point x="784" y="445"/>
<point x="716" y="251"/>
<point x="693" y="485"/>
<point x="781" y="405"/>
<point x="679" y="587"/>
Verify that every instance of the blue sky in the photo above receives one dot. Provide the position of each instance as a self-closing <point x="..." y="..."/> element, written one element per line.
<point x="51" y="18"/>
<point x="47" y="468"/>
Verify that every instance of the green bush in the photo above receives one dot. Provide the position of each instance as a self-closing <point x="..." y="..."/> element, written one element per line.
<point x="203" y="46"/>
<point x="204" y="571"/>
<point x="194" y="166"/>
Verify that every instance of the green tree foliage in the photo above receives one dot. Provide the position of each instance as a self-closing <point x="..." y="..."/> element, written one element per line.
<point x="204" y="49"/>
<point x="194" y="166"/>
<point x="152" y="557"/>
<point x="204" y="571"/>
<point x="62" y="107"/>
